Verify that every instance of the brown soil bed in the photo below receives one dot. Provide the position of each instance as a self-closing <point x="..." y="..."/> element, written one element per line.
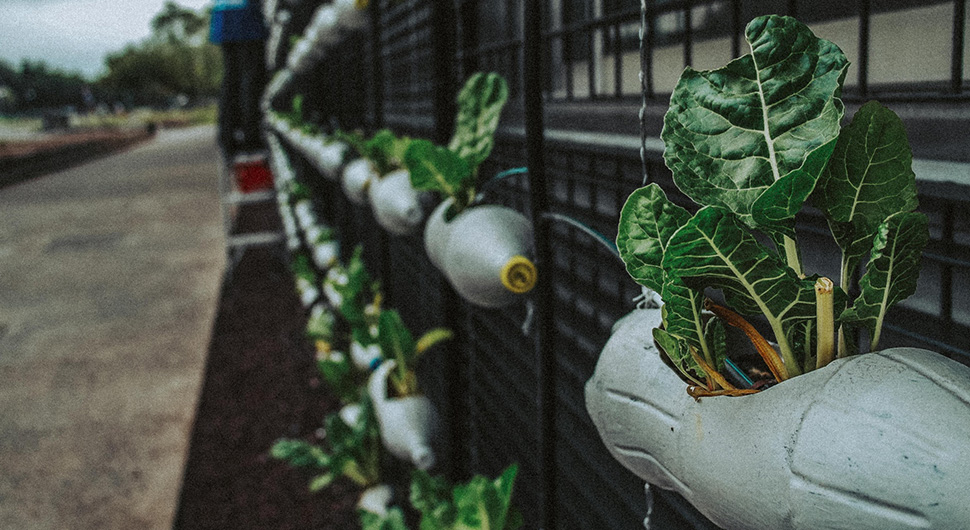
<point x="260" y="384"/>
<point x="22" y="160"/>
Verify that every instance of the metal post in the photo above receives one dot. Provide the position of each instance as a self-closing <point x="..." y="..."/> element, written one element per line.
<point x="534" y="140"/>
<point x="737" y="30"/>
<point x="445" y="45"/>
<point x="864" y="21"/>
<point x="688" y="34"/>
<point x="959" y="33"/>
<point x="377" y="65"/>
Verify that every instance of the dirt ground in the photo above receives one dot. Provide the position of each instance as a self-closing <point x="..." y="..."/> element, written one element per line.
<point x="260" y="384"/>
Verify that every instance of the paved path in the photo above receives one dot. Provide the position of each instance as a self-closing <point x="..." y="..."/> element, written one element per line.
<point x="109" y="280"/>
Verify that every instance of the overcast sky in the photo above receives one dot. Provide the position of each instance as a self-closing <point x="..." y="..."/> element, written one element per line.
<point x="75" y="34"/>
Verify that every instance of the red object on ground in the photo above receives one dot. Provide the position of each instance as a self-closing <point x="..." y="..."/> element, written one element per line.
<point x="252" y="173"/>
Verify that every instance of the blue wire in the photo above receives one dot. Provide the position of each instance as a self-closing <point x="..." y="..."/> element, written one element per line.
<point x="510" y="172"/>
<point x="738" y="371"/>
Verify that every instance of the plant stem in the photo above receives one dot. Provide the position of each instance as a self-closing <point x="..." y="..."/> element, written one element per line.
<point x="791" y="255"/>
<point x="699" y="329"/>
<point x="824" y="314"/>
<point x="767" y="353"/>
<point x="712" y="373"/>
<point x="844" y="283"/>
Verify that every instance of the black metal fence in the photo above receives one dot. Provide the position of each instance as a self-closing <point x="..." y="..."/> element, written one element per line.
<point x="508" y="395"/>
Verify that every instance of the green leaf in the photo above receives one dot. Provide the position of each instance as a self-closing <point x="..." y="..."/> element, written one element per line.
<point x="437" y="169"/>
<point x="678" y="351"/>
<point x="647" y="222"/>
<point x="716" y="337"/>
<point x="300" y="453"/>
<point x="892" y="270"/>
<point x="432" y="337"/>
<point x="682" y="313"/>
<point x="339" y="376"/>
<point x="396" y="340"/>
<point x="386" y="151"/>
<point x="714" y="250"/>
<point x="480" y="504"/>
<point x="774" y="211"/>
<point x="869" y="178"/>
<point x="480" y="104"/>
<point x="320" y="482"/>
<point x="732" y="133"/>
<point x="428" y="492"/>
<point x="393" y="520"/>
<point x="320" y="325"/>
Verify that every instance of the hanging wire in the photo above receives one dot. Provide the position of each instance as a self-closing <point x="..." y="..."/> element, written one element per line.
<point x="643" y="91"/>
<point x="598" y="237"/>
<point x="499" y="176"/>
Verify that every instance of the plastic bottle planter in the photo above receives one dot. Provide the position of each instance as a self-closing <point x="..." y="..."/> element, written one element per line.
<point x="364" y="357"/>
<point x="289" y="227"/>
<point x="306" y="218"/>
<point x="407" y="424"/>
<point x="349" y="17"/>
<point x="482" y="252"/>
<point x="357" y="177"/>
<point x="875" y="441"/>
<point x="376" y="499"/>
<point x="396" y="205"/>
<point x="329" y="157"/>
<point x="307" y="291"/>
<point x="325" y="253"/>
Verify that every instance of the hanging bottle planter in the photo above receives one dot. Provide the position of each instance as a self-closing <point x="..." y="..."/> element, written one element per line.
<point x="483" y="253"/>
<point x="406" y="423"/>
<point x="329" y="157"/>
<point x="875" y="441"/>
<point x="824" y="437"/>
<point x="397" y="205"/>
<point x="357" y="176"/>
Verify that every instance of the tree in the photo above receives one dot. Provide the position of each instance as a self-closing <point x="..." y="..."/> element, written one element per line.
<point x="175" y="60"/>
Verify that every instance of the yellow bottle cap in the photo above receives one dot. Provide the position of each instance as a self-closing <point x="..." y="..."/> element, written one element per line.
<point x="519" y="275"/>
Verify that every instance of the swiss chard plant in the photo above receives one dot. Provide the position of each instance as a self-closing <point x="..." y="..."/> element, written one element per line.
<point x="353" y="451"/>
<point x="303" y="272"/>
<point x="350" y="291"/>
<point x="384" y="150"/>
<point x="397" y="343"/>
<point x="453" y="170"/>
<point x="334" y="366"/>
<point x="392" y="520"/>
<point x="750" y="143"/>
<point x="480" y="504"/>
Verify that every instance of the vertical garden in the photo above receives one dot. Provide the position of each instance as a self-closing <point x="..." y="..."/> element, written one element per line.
<point x="475" y="193"/>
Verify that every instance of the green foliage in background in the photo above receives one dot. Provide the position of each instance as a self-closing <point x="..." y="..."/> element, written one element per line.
<point x="176" y="59"/>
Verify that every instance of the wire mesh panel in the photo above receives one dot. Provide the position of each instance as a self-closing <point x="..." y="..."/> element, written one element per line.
<point x="488" y="382"/>
<point x="407" y="57"/>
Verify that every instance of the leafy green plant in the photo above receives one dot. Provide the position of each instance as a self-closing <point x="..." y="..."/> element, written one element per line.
<point x="294" y="116"/>
<point x="392" y="520"/>
<point x="354" y="451"/>
<point x="298" y="191"/>
<point x="303" y="272"/>
<point x="333" y="365"/>
<point x="750" y="143"/>
<point x="384" y="150"/>
<point x="350" y="291"/>
<point x="397" y="343"/>
<point x="453" y="171"/>
<point x="481" y="504"/>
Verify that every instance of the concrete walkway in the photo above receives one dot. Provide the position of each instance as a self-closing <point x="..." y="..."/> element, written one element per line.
<point x="109" y="280"/>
